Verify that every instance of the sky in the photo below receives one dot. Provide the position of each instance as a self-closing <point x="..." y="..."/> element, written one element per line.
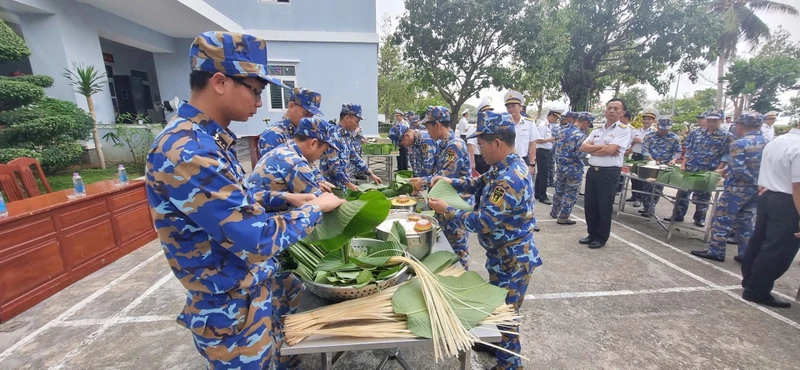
<point x="395" y="8"/>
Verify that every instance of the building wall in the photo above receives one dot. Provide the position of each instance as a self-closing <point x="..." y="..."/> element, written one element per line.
<point x="302" y="15"/>
<point x="128" y="58"/>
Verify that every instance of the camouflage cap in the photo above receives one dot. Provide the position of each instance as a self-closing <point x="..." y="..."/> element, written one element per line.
<point x="409" y="114"/>
<point x="319" y="129"/>
<point x="664" y="123"/>
<point x="414" y="119"/>
<point x="438" y="114"/>
<point x="714" y="114"/>
<point x="308" y="99"/>
<point x="232" y="54"/>
<point x="396" y="134"/>
<point x="650" y="112"/>
<point x="493" y="123"/>
<point x="352" y="109"/>
<point x="571" y="114"/>
<point x="586" y="116"/>
<point x="752" y="119"/>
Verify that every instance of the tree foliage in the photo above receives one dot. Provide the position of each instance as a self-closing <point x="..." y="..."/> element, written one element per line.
<point x="32" y="125"/>
<point x="687" y="107"/>
<point x="628" y="40"/>
<point x="454" y="45"/>
<point x="635" y="99"/>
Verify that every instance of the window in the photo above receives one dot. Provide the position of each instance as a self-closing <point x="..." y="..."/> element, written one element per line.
<point x="279" y="98"/>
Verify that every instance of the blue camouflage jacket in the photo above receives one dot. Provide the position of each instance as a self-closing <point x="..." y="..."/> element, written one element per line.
<point x="452" y="159"/>
<point x="423" y="154"/>
<point x="745" y="162"/>
<point x="662" y="149"/>
<point x="705" y="150"/>
<point x="284" y="169"/>
<point x="336" y="166"/>
<point x="567" y="148"/>
<point x="504" y="221"/>
<point x="216" y="235"/>
<point x="275" y="134"/>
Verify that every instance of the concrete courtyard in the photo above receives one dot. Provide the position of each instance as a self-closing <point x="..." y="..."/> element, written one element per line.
<point x="638" y="303"/>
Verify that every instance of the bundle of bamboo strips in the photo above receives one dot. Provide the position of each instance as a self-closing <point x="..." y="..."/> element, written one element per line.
<point x="374" y="317"/>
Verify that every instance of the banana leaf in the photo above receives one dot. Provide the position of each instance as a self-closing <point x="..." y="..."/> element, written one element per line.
<point x="476" y="300"/>
<point x="438" y="261"/>
<point x="398" y="234"/>
<point x="339" y="193"/>
<point x="368" y="186"/>
<point x="379" y="254"/>
<point x="349" y="220"/>
<point x="444" y="191"/>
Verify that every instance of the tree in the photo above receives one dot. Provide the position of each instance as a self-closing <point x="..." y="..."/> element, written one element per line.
<point x="32" y="125"/>
<point x="741" y="23"/>
<point x="794" y="105"/>
<point x="454" y="45"/>
<point x="687" y="107"/>
<point x="627" y="40"/>
<point x="635" y="99"/>
<point x="87" y="81"/>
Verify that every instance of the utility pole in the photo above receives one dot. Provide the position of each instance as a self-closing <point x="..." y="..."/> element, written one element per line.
<point x="677" y="84"/>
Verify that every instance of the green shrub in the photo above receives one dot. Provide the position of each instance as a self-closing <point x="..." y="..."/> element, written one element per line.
<point x="8" y="154"/>
<point x="60" y="157"/>
<point x="12" y="47"/>
<point x="136" y="139"/>
<point x="38" y="80"/>
<point x="15" y="94"/>
<point x="32" y="131"/>
<point x="82" y="130"/>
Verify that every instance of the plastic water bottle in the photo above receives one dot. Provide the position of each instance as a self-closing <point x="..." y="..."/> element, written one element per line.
<point x="77" y="183"/>
<point x="123" y="175"/>
<point x="3" y="209"/>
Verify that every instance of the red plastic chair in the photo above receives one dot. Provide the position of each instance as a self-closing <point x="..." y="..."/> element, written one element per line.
<point x="28" y="179"/>
<point x="9" y="183"/>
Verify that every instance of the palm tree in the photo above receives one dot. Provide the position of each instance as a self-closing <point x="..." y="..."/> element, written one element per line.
<point x="740" y="22"/>
<point x="87" y="81"/>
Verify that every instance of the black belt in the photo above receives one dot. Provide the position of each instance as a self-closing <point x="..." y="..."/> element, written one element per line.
<point x="601" y="169"/>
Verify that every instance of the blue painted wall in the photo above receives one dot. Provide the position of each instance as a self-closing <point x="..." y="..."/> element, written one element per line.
<point x="301" y="15"/>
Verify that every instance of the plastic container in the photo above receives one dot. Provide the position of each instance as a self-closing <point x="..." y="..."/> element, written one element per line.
<point x="3" y="209"/>
<point x="123" y="175"/>
<point x="77" y="184"/>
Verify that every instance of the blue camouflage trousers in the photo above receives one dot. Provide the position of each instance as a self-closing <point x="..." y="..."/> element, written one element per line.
<point x="505" y="271"/>
<point x="286" y="289"/>
<point x="566" y="193"/>
<point x="736" y="209"/>
<point x="649" y="201"/>
<point x="551" y="173"/>
<point x="458" y="237"/>
<point x="233" y="330"/>
<point x="700" y="209"/>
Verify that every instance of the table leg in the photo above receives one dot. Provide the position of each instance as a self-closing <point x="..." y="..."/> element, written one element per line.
<point x="463" y="359"/>
<point x="672" y="217"/>
<point x="327" y="364"/>
<point x="622" y="195"/>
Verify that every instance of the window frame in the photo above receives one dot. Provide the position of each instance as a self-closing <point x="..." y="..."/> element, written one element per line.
<point x="284" y="92"/>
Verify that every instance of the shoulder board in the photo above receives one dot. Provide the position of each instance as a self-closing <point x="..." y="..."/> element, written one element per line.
<point x="622" y="125"/>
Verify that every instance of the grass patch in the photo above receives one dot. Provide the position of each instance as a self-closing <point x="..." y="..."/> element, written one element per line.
<point x="64" y="180"/>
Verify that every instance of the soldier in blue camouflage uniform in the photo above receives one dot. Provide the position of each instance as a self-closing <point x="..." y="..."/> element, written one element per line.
<point x="452" y="161"/>
<point x="504" y="220"/>
<point x="663" y="147"/>
<point x="218" y="238"/>
<point x="337" y="166"/>
<point x="737" y="204"/>
<point x="706" y="150"/>
<point x="570" y="167"/>
<point x="555" y="125"/>
<point x="287" y="169"/>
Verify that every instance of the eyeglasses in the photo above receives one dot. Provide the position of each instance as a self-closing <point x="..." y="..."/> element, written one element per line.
<point x="256" y="91"/>
<point x="484" y="144"/>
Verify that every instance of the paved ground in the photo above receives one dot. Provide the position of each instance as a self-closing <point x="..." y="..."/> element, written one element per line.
<point x="639" y="303"/>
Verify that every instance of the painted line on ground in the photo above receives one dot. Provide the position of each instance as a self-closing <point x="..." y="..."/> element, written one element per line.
<point x="86" y="343"/>
<point x="121" y="320"/>
<point x="690" y="274"/>
<point x="614" y="293"/>
<point x="72" y="310"/>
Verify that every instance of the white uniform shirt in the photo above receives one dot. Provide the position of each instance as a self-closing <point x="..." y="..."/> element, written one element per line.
<point x="618" y="134"/>
<point x="462" y="126"/>
<point x="640" y="133"/>
<point x="768" y="131"/>
<point x="545" y="132"/>
<point x="474" y="141"/>
<point x="780" y="163"/>
<point x="725" y="126"/>
<point x="526" y="133"/>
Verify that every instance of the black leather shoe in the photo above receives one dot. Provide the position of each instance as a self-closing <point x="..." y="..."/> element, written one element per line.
<point x="708" y="255"/>
<point x="536" y="229"/>
<point x="546" y="201"/>
<point x="737" y="259"/>
<point x="596" y="244"/>
<point x="731" y="241"/>
<point x="566" y="222"/>
<point x="553" y="216"/>
<point x="700" y="223"/>
<point x="677" y="219"/>
<point x="480" y="347"/>
<point x="769" y="300"/>
<point x="645" y="214"/>
<point x="637" y="204"/>
<point x="586" y="240"/>
<point x="631" y="199"/>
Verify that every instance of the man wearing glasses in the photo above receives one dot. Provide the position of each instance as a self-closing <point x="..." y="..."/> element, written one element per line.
<point x="217" y="236"/>
<point x="336" y="166"/>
